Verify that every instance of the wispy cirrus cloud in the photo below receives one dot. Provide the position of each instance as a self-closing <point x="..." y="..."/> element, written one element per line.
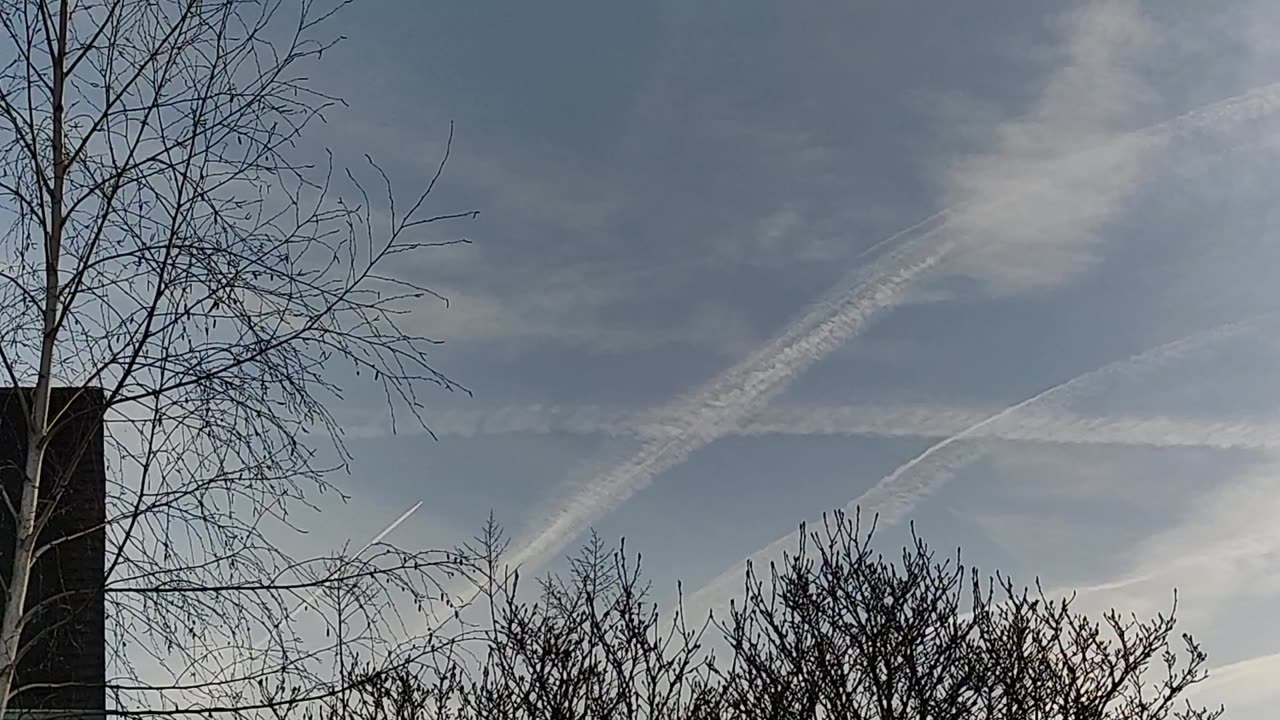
<point x="1094" y="180"/>
<point x="1223" y="556"/>
<point x="670" y="184"/>
<point x="1227" y="549"/>
<point x="1050" y="233"/>
<point x="1249" y="685"/>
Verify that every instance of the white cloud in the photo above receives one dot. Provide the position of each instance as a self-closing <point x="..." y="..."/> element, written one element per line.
<point x="1247" y="688"/>
<point x="1223" y="555"/>
<point x="1101" y="38"/>
<point x="1227" y="548"/>
<point x="1051" y="232"/>
<point x="743" y="390"/>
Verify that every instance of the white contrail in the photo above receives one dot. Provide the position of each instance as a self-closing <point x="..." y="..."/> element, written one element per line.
<point x="308" y="600"/>
<point x="390" y="528"/>
<point x="893" y="497"/>
<point x="1058" y="427"/>
<point x="1247" y="683"/>
<point x="717" y="408"/>
<point x="725" y="403"/>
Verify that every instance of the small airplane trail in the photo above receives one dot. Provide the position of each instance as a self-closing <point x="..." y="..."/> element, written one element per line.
<point x="309" y="600"/>
<point x="893" y="497"/>
<point x="892" y="503"/>
<point x="718" y="407"/>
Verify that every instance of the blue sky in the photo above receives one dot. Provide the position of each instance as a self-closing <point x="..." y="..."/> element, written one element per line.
<point x="681" y="323"/>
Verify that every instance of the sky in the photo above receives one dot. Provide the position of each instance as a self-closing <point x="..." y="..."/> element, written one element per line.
<point x="1001" y="268"/>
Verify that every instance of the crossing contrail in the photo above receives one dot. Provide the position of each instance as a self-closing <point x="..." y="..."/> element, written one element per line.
<point x="724" y="404"/>
<point x="893" y="497"/>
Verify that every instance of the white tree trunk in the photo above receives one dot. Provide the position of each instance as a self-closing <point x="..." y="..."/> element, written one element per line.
<point x="25" y="538"/>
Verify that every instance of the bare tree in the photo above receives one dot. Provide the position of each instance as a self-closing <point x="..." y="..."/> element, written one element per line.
<point x="838" y="631"/>
<point x="165" y="252"/>
<point x="592" y="645"/>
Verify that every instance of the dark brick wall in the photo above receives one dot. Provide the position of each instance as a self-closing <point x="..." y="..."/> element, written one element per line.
<point x="66" y="640"/>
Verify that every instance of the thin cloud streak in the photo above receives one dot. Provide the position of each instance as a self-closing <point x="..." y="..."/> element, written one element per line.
<point x="1041" y="426"/>
<point x="309" y="599"/>
<point x="893" y="497"/>
<point x="1036" y="425"/>
<point x="1222" y="554"/>
<point x="1217" y="548"/>
<point x="1249" y="682"/>
<point x="726" y="403"/>
<point x="897" y="493"/>
<point x="1069" y="113"/>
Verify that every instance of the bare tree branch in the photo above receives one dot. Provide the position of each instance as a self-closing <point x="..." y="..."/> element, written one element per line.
<point x="166" y="241"/>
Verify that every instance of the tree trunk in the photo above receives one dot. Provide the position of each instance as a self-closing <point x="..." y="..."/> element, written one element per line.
<point x="24" y="550"/>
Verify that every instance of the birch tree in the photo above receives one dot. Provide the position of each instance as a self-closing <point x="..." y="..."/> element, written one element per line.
<point x="167" y="247"/>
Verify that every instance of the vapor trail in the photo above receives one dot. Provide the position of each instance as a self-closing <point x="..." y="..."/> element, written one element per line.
<point x="898" y="492"/>
<point x="390" y="528"/>
<point x="1058" y="427"/>
<point x="718" y="407"/>
<point x="892" y="502"/>
<point x="308" y="600"/>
